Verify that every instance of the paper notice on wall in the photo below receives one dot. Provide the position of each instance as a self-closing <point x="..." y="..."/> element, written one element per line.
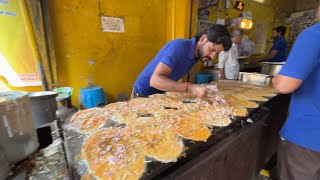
<point x="112" y="24"/>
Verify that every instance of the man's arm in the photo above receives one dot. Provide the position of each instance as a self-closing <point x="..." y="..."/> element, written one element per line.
<point x="272" y="54"/>
<point x="160" y="80"/>
<point x="222" y="58"/>
<point x="302" y="60"/>
<point x="286" y="84"/>
<point x="222" y="73"/>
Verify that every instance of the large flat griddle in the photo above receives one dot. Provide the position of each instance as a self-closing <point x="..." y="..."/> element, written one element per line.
<point x="158" y="170"/>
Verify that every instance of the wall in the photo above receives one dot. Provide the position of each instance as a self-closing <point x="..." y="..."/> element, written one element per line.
<point x="266" y="12"/>
<point x="305" y="5"/>
<point x="262" y="13"/>
<point x="18" y="51"/>
<point x="119" y="57"/>
<point x="194" y="27"/>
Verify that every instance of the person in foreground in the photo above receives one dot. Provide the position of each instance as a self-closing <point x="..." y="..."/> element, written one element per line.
<point x="299" y="148"/>
<point x="176" y="59"/>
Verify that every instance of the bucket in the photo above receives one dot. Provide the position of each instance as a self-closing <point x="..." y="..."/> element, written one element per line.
<point x="63" y="93"/>
<point x="203" y="78"/>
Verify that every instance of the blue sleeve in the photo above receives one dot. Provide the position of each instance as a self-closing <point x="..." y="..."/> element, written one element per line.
<point x="304" y="56"/>
<point x="172" y="54"/>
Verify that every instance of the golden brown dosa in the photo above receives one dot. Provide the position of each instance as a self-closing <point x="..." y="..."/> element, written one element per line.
<point x="239" y="111"/>
<point x="89" y="120"/>
<point x="183" y="124"/>
<point x="109" y="155"/>
<point x="155" y="141"/>
<point x="214" y="115"/>
<point x="232" y="100"/>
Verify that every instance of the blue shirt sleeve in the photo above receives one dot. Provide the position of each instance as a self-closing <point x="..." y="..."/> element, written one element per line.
<point x="304" y="56"/>
<point x="172" y="54"/>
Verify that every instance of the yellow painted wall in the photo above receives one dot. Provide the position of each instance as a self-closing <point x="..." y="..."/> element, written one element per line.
<point x="178" y="19"/>
<point x="18" y="45"/>
<point x="120" y="57"/>
<point x="194" y="27"/>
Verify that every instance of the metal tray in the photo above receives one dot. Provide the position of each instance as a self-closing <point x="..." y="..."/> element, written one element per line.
<point x="254" y="78"/>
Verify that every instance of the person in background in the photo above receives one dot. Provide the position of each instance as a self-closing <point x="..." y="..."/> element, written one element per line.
<point x="299" y="148"/>
<point x="277" y="52"/>
<point x="228" y="61"/>
<point x="176" y="59"/>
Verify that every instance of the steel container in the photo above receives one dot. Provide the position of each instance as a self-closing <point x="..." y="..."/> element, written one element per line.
<point x="4" y="165"/>
<point x="254" y="77"/>
<point x="18" y="137"/>
<point x="43" y="107"/>
<point x="271" y="68"/>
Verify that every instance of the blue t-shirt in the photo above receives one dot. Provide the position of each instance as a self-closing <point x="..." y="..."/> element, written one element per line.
<point x="178" y="54"/>
<point x="302" y="126"/>
<point x="281" y="45"/>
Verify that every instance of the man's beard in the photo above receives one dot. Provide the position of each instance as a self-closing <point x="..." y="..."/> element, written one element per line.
<point x="202" y="58"/>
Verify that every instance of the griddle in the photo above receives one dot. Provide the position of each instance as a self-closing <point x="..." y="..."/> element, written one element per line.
<point x="159" y="170"/>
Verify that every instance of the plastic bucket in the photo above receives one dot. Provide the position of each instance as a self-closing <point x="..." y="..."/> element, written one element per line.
<point x="63" y="92"/>
<point x="203" y="78"/>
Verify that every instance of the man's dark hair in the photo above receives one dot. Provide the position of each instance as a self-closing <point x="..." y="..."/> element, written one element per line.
<point x="281" y="29"/>
<point x="218" y="34"/>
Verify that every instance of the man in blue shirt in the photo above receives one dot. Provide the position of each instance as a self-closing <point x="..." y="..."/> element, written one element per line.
<point x="176" y="59"/>
<point x="277" y="52"/>
<point x="299" y="150"/>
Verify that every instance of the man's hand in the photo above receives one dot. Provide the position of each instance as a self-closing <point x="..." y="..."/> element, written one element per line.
<point x="198" y="90"/>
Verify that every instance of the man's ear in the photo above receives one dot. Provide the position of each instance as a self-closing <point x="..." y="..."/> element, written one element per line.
<point x="203" y="38"/>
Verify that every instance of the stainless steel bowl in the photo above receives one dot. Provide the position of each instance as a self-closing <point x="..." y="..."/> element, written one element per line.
<point x="271" y="68"/>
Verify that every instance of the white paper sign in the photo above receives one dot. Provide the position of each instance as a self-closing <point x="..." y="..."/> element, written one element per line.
<point x="111" y="24"/>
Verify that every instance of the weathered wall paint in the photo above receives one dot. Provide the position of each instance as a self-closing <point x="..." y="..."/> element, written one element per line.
<point x="119" y="57"/>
